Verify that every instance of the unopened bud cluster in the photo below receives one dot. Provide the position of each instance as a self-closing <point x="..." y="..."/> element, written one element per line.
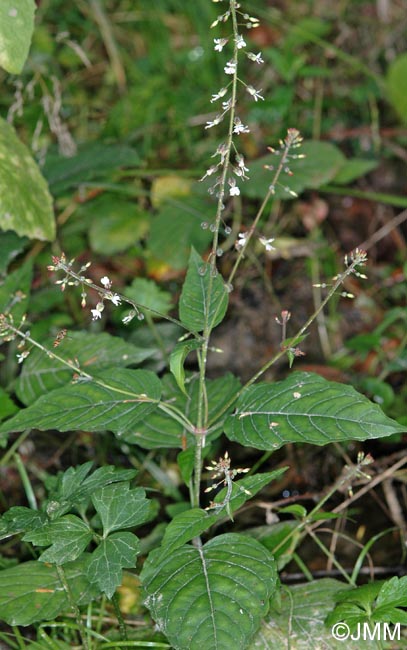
<point x="293" y="140"/>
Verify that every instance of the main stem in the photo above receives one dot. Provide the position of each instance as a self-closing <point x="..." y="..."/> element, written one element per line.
<point x="202" y="417"/>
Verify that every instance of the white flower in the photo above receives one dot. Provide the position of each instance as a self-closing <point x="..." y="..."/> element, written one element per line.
<point x="257" y="58"/>
<point x="241" y="240"/>
<point x="217" y="120"/>
<point x="230" y="67"/>
<point x="254" y="93"/>
<point x="220" y="43"/>
<point x="267" y="243"/>
<point x="220" y="151"/>
<point x="240" y="42"/>
<point x="221" y="93"/>
<point x="97" y="312"/>
<point x="107" y="283"/>
<point x="210" y="171"/>
<point x="239" y="127"/>
<point x="240" y="172"/>
<point x="234" y="189"/>
<point x="240" y="163"/>
<point x="22" y="356"/>
<point x="227" y="105"/>
<point x="114" y="298"/>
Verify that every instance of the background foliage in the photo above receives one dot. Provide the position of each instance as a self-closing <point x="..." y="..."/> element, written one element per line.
<point x="110" y="108"/>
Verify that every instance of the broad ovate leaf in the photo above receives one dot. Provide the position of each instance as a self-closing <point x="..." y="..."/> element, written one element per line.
<point x="112" y="401"/>
<point x="178" y="226"/>
<point x="92" y="352"/>
<point x="16" y="30"/>
<point x="212" y="597"/>
<point x="352" y="169"/>
<point x="94" y="161"/>
<point x="32" y="591"/>
<point x="185" y="526"/>
<point x="25" y="202"/>
<point x="320" y="165"/>
<point x="158" y="430"/>
<point x="305" y="408"/>
<point x="204" y="298"/>
<point x="244" y="489"/>
<point x="300" y="616"/>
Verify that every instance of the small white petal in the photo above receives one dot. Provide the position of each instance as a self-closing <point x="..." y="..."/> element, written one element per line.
<point x="240" y="42"/>
<point x="254" y="93"/>
<point x="114" y="298"/>
<point x="220" y="43"/>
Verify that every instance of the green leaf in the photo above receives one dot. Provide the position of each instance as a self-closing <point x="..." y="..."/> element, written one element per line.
<point x="186" y="461"/>
<point x="7" y="406"/>
<point x="42" y="374"/>
<point x="391" y="601"/>
<point x="393" y="592"/>
<point x="68" y="485"/>
<point x="280" y="539"/>
<point x="19" y="519"/>
<point x="15" y="292"/>
<point x="397" y="85"/>
<point x="295" y="509"/>
<point x="16" y="30"/>
<point x="381" y="601"/>
<point x="112" y="401"/>
<point x="185" y="527"/>
<point x="213" y="597"/>
<point x="11" y="245"/>
<point x="73" y="488"/>
<point x="94" y="160"/>
<point x="305" y="408"/>
<point x="158" y="430"/>
<point x="176" y="228"/>
<point x="248" y="487"/>
<point x="148" y="293"/>
<point x="25" y="202"/>
<point x="177" y="358"/>
<point x="101" y="477"/>
<point x="321" y="163"/>
<point x="32" y="591"/>
<point x="352" y="169"/>
<point x="119" y="224"/>
<point x="196" y="309"/>
<point x="69" y="536"/>
<point x="120" y="507"/>
<point x="117" y="552"/>
<point x="299" y="615"/>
